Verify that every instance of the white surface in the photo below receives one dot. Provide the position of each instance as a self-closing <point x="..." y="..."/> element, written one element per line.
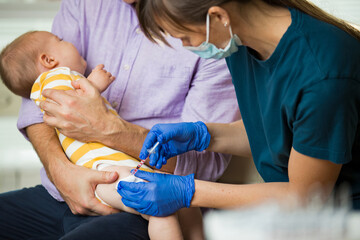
<point x="28" y="9"/>
<point x="15" y="150"/>
<point x="19" y="164"/>
<point x="348" y="10"/>
<point x="16" y="19"/>
<point x="274" y="221"/>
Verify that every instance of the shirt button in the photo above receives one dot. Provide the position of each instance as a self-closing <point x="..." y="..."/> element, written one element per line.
<point x="138" y="31"/>
<point x="126" y="66"/>
<point x="114" y="104"/>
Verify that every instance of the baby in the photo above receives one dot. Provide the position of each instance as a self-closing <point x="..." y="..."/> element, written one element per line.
<point x="39" y="60"/>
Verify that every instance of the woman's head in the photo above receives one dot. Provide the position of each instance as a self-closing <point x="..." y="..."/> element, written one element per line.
<point x="188" y="16"/>
<point x="179" y="18"/>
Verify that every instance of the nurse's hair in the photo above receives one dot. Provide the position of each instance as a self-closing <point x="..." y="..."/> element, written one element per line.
<point x="178" y="13"/>
<point x="18" y="64"/>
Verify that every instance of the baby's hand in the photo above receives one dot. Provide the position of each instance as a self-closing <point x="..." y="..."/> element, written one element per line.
<point x="100" y="78"/>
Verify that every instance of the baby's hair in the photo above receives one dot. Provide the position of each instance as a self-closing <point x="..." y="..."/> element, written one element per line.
<point x="18" y="64"/>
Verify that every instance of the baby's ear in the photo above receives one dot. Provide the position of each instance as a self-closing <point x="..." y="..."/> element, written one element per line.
<point x="48" y="61"/>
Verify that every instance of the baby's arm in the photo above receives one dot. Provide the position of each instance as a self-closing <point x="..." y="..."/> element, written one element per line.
<point x="100" y="78"/>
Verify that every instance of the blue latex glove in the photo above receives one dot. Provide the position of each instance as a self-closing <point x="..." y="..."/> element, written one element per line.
<point x="175" y="139"/>
<point x="163" y="195"/>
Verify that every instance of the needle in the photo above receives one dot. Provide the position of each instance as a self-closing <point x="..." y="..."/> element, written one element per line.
<point x="151" y="151"/>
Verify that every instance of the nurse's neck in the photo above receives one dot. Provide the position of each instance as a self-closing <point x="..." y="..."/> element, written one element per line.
<point x="259" y="26"/>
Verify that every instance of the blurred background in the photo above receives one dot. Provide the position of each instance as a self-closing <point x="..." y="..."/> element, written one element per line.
<point x="19" y="165"/>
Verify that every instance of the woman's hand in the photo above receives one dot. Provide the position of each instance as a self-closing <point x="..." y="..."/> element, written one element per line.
<point x="80" y="114"/>
<point x="175" y="139"/>
<point x="162" y="195"/>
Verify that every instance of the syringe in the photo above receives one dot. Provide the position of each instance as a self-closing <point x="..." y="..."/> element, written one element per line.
<point x="150" y="151"/>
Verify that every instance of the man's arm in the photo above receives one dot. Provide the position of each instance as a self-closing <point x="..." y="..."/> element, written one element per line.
<point x="75" y="183"/>
<point x="82" y="115"/>
<point x="78" y="194"/>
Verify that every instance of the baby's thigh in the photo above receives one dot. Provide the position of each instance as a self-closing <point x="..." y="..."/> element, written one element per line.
<point x="108" y="192"/>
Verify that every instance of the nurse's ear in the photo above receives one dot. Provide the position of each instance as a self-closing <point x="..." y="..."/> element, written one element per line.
<point x="219" y="16"/>
<point x="48" y="62"/>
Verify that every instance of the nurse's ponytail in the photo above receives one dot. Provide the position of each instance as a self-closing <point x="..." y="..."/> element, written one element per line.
<point x="178" y="13"/>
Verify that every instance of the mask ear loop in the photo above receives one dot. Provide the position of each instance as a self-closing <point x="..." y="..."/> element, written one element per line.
<point x="231" y="33"/>
<point x="207" y="27"/>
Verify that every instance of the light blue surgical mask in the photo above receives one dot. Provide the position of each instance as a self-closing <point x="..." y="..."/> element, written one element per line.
<point x="209" y="50"/>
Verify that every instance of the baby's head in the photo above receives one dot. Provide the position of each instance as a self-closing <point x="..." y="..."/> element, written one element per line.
<point x="33" y="53"/>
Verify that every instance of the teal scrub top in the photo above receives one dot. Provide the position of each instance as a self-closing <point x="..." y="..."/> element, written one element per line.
<point x="306" y="96"/>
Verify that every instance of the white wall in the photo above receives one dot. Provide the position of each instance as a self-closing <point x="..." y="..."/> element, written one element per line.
<point x="348" y="10"/>
<point x="19" y="164"/>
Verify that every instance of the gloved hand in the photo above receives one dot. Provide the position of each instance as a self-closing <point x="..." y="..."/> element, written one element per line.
<point x="175" y="139"/>
<point x="163" y="195"/>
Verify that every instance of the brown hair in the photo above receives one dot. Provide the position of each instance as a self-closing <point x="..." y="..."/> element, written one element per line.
<point x="177" y="13"/>
<point x="18" y="64"/>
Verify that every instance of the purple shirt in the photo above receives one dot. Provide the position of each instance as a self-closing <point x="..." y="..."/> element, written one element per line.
<point x="154" y="83"/>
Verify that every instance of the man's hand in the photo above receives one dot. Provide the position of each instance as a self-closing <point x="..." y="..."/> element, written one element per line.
<point x="77" y="185"/>
<point x="79" y="114"/>
<point x="100" y="78"/>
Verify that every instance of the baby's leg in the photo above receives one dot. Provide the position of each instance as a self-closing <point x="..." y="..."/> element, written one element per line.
<point x="190" y="220"/>
<point x="159" y="227"/>
<point x="108" y="193"/>
<point x="164" y="228"/>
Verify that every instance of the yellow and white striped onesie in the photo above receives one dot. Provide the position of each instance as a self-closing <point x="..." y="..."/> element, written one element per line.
<point x="91" y="155"/>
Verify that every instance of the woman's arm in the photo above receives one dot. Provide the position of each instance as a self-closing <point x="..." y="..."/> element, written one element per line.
<point x="306" y="174"/>
<point x="165" y="194"/>
<point x="178" y="138"/>
<point x="229" y="138"/>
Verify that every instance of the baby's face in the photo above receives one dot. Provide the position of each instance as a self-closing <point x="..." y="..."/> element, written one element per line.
<point x="64" y="52"/>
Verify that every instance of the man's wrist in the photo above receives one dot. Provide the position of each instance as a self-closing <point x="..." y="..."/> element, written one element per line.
<point x="123" y="136"/>
<point x="56" y="168"/>
<point x="111" y="125"/>
<point x="128" y="138"/>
